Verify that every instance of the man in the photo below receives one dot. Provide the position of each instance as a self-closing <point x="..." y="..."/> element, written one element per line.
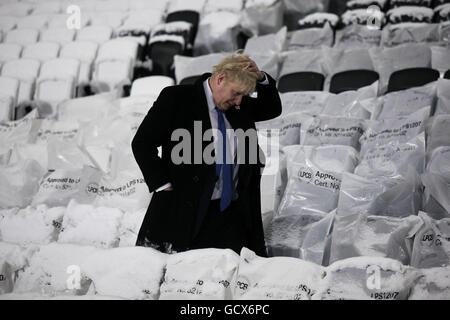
<point x="198" y="203"/>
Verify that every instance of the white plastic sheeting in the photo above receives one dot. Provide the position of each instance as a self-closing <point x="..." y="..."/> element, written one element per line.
<point x="383" y="196"/>
<point x="84" y="224"/>
<point x="311" y="38"/>
<point x="195" y="66"/>
<point x="204" y="274"/>
<point x="217" y="37"/>
<point x="39" y="225"/>
<point x="50" y="268"/>
<point x="395" y="130"/>
<point x="393" y="160"/>
<point x="59" y="187"/>
<point x="366" y="278"/>
<point x="278" y="278"/>
<point x="129" y="273"/>
<point x="431" y="244"/>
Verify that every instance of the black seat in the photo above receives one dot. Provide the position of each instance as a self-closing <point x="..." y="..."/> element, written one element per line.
<point x="412" y="77"/>
<point x="190" y="16"/>
<point x="352" y="80"/>
<point x="161" y="54"/>
<point x="301" y="81"/>
<point x="447" y="74"/>
<point x="190" y="80"/>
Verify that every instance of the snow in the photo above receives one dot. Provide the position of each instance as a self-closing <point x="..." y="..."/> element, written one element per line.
<point x="38" y="225"/>
<point x="50" y="269"/>
<point x="319" y="17"/>
<point x="276" y="278"/>
<point x="129" y="273"/>
<point x="84" y="224"/>
<point x="200" y="274"/>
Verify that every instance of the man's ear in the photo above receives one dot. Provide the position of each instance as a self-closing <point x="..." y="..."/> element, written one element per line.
<point x="220" y="78"/>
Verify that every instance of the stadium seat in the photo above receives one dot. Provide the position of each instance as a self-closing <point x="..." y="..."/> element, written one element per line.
<point x="56" y="83"/>
<point x="85" y="52"/>
<point x="113" y="19"/>
<point x="411" y="77"/>
<point x="447" y="74"/>
<point x="190" y="80"/>
<point x="16" y="9"/>
<point x="152" y="85"/>
<point x="59" y="35"/>
<point x="60" y="21"/>
<point x="190" y="16"/>
<point x="180" y="28"/>
<point x="49" y="7"/>
<point x="7" y="23"/>
<point x="22" y="36"/>
<point x="352" y="80"/>
<point x="301" y="81"/>
<point x="112" y="74"/>
<point x="99" y="34"/>
<point x="34" y="21"/>
<point x="26" y="71"/>
<point x="41" y="51"/>
<point x="10" y="51"/>
<point x="9" y="89"/>
<point x="162" y="50"/>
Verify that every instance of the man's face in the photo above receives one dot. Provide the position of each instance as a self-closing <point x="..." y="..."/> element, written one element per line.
<point x="226" y="94"/>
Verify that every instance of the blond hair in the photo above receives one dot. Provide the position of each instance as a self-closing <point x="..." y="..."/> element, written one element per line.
<point x="235" y="68"/>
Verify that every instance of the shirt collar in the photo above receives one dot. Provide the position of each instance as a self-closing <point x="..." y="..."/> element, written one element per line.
<point x="209" y="95"/>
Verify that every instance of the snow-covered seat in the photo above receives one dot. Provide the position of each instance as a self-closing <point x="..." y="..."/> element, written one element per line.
<point x="7" y="23"/>
<point x="388" y="60"/>
<point x="138" y="25"/>
<point x="416" y="3"/>
<point x="442" y="12"/>
<point x="99" y="34"/>
<point x="114" y="65"/>
<point x="60" y="21"/>
<point x="181" y="28"/>
<point x="112" y="74"/>
<point x="162" y="49"/>
<point x="49" y="7"/>
<point x="26" y="71"/>
<point x="150" y="85"/>
<point x="193" y="66"/>
<point x="118" y="48"/>
<point x="85" y="52"/>
<point x="159" y="5"/>
<point x="181" y="5"/>
<point x="226" y="5"/>
<point x="113" y="19"/>
<point x="16" y="9"/>
<point x="56" y="83"/>
<point x="318" y="20"/>
<point x="34" y="21"/>
<point x="9" y="89"/>
<point x="60" y="35"/>
<point x="22" y="36"/>
<point x="10" y="51"/>
<point x="410" y="14"/>
<point x="114" y="5"/>
<point x="363" y="4"/>
<point x="41" y="51"/>
<point x="363" y="17"/>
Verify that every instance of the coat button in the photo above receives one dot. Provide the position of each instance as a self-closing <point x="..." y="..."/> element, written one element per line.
<point x="195" y="178"/>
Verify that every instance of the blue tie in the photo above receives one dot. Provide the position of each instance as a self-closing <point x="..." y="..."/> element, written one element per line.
<point x="227" y="187"/>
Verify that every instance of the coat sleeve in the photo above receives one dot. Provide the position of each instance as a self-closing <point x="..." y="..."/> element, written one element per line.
<point x="154" y="131"/>
<point x="267" y="105"/>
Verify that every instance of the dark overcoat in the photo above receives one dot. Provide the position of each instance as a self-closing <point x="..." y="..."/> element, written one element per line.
<point x="176" y="216"/>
